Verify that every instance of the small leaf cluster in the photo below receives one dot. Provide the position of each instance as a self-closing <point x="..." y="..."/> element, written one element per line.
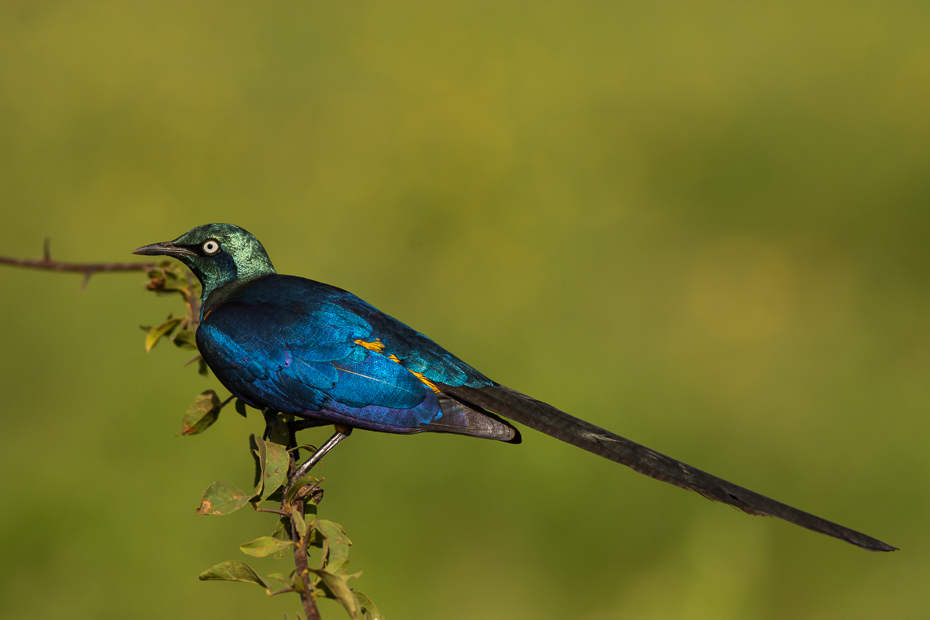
<point x="169" y="278"/>
<point x="298" y="529"/>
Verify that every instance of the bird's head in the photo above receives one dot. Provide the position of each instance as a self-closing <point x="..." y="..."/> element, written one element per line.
<point x="217" y="254"/>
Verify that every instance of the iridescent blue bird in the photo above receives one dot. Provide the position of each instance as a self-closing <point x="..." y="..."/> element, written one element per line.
<point x="292" y="345"/>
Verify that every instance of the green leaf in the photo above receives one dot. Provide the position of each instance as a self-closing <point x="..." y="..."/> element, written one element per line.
<point x="275" y="470"/>
<point x="259" y="453"/>
<point x="185" y="339"/>
<point x="338" y="587"/>
<point x="222" y="498"/>
<point x="299" y="522"/>
<point x="265" y="545"/>
<point x="282" y="531"/>
<point x="202" y="367"/>
<point x="240" y="408"/>
<point x="287" y="581"/>
<point x="294" y="489"/>
<point x="369" y="610"/>
<point x="271" y="463"/>
<point x="201" y="413"/>
<point x="337" y="542"/>
<point x="155" y="333"/>
<point x="234" y="571"/>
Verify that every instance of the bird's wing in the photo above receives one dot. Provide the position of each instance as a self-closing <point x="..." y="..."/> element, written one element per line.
<point x="416" y="352"/>
<point x="305" y="359"/>
<point x="296" y="346"/>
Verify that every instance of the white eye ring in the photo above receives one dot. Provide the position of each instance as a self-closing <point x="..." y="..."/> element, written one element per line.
<point x="211" y="247"/>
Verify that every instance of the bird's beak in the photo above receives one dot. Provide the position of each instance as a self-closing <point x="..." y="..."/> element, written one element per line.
<point x="163" y="249"/>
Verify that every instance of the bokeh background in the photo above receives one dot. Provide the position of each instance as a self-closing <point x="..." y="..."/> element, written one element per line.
<point x="703" y="225"/>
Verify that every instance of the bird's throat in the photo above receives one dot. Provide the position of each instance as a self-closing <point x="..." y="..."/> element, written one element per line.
<point x="215" y="296"/>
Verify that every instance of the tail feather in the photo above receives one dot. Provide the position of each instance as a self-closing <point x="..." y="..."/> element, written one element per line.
<point x="547" y="419"/>
<point x="462" y="419"/>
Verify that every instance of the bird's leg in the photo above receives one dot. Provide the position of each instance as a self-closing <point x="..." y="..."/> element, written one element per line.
<point x="299" y="425"/>
<point x="341" y="433"/>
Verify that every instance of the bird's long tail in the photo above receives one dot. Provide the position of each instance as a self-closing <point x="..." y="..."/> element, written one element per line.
<point x="547" y="419"/>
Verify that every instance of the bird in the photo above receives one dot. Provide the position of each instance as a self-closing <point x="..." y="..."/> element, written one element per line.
<point x="288" y="344"/>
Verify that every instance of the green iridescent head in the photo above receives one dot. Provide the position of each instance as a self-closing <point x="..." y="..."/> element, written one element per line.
<point x="218" y="254"/>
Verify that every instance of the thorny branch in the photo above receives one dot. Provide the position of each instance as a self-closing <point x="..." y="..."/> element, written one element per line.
<point x="189" y="293"/>
<point x="88" y="269"/>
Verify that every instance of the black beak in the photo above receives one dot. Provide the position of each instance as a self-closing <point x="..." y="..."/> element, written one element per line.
<point x="163" y="249"/>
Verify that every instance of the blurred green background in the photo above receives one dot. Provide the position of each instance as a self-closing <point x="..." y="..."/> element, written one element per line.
<point x="703" y="225"/>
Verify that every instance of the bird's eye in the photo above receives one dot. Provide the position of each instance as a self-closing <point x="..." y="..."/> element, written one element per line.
<point x="211" y="247"/>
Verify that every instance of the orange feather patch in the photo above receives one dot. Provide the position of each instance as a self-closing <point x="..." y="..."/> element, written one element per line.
<point x="377" y="346"/>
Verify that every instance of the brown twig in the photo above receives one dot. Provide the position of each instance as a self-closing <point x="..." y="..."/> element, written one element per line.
<point x="301" y="563"/>
<point x="274" y="511"/>
<point x="282" y="591"/>
<point x="191" y="299"/>
<point x="303" y="567"/>
<point x="87" y="269"/>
